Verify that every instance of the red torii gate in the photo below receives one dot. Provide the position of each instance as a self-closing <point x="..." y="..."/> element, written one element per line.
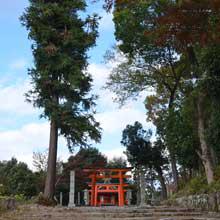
<point x="108" y="189"/>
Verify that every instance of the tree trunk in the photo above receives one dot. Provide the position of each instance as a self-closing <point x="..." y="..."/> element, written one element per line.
<point x="205" y="154"/>
<point x="137" y="173"/>
<point x="152" y="187"/>
<point x="49" y="189"/>
<point x="172" y="156"/>
<point x="174" y="171"/>
<point x="142" y="187"/>
<point x="214" y="157"/>
<point x="162" y="183"/>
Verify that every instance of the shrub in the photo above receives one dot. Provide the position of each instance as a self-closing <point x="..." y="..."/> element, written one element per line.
<point x="217" y="173"/>
<point x="215" y="186"/>
<point x="198" y="185"/>
<point x="2" y="189"/>
<point x="20" y="198"/>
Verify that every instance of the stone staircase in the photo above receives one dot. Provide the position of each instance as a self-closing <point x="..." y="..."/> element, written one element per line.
<point x="146" y="213"/>
<point x="34" y="212"/>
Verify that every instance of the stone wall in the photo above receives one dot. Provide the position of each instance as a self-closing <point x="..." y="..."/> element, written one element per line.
<point x="7" y="203"/>
<point x="210" y="202"/>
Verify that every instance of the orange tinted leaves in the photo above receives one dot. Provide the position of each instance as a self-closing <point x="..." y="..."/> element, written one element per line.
<point x="189" y="23"/>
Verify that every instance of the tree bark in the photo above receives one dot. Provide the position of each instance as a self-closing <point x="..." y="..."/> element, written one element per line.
<point x="205" y="154"/>
<point x="174" y="171"/>
<point x="137" y="173"/>
<point x="214" y="157"/>
<point x="172" y="156"/>
<point x="162" y="183"/>
<point x="49" y="189"/>
<point x="142" y="187"/>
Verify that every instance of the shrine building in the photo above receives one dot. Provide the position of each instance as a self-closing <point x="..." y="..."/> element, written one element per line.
<point x="108" y="186"/>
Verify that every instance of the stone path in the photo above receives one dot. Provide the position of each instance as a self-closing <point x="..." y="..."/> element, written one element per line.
<point x="35" y="212"/>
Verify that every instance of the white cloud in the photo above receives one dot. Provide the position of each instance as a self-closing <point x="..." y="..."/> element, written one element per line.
<point x="13" y="99"/>
<point x="115" y="152"/>
<point x="21" y="143"/>
<point x="99" y="74"/>
<point x="106" y="22"/>
<point x="112" y="118"/>
<point x="116" y="120"/>
<point x="18" y="64"/>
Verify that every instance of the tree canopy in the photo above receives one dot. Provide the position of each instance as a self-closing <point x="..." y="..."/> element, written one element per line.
<point x="173" y="56"/>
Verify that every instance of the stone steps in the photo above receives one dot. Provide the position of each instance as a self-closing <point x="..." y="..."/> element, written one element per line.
<point x="160" y="218"/>
<point x="35" y="212"/>
<point x="136" y="214"/>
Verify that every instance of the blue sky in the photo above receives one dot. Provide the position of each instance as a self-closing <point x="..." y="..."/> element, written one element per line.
<point x="21" y="130"/>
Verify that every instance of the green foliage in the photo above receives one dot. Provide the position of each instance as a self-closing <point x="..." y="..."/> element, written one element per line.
<point x="213" y="129"/>
<point x="146" y="64"/>
<point x="145" y="156"/>
<point x="136" y="141"/>
<point x="61" y="84"/>
<point x="20" y="197"/>
<point x="85" y="158"/>
<point x="17" y="179"/>
<point x="117" y="162"/>
<point x="139" y="149"/>
<point x="178" y="127"/>
<point x="2" y="189"/>
<point x="217" y="173"/>
<point x="197" y="185"/>
<point x="138" y="17"/>
<point x="209" y="60"/>
<point x="214" y="186"/>
<point x="172" y="54"/>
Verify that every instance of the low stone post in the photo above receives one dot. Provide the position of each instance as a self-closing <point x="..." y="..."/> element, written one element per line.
<point x="78" y="199"/>
<point x="86" y="196"/>
<point x="72" y="189"/>
<point x="61" y="198"/>
<point x="129" y="196"/>
<point x="101" y="199"/>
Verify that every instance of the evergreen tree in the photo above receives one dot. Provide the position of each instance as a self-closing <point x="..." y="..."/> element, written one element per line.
<point x="117" y="162"/>
<point x="142" y="154"/>
<point x="85" y="158"/>
<point x="17" y="179"/>
<point x="61" y="85"/>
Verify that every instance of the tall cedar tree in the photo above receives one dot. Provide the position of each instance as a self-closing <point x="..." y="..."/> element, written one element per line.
<point x="61" y="85"/>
